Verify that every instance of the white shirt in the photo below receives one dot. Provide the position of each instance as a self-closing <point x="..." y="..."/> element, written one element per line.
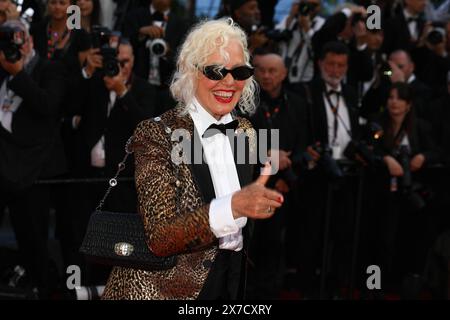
<point x="411" y="78"/>
<point x="343" y="123"/>
<point x="302" y="62"/>
<point x="98" y="156"/>
<point x="412" y="26"/>
<point x="219" y="156"/>
<point x="9" y="103"/>
<point x="107" y="18"/>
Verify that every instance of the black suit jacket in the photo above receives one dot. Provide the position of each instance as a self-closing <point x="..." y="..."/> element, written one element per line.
<point x="397" y="36"/>
<point x="174" y="33"/>
<point x="291" y="121"/>
<point x="317" y="116"/>
<point x="421" y="98"/>
<point x="440" y="119"/>
<point x="420" y="141"/>
<point x="34" y="148"/>
<point x="137" y="105"/>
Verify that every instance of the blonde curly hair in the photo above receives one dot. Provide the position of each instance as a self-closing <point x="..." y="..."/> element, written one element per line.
<point x="201" y="42"/>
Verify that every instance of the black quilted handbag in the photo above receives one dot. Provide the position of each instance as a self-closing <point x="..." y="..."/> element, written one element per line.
<point x="118" y="239"/>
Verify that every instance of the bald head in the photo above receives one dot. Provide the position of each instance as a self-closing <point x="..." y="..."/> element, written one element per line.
<point x="270" y="72"/>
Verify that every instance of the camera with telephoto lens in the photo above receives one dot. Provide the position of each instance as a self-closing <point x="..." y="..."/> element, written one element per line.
<point x="11" y="41"/>
<point x="435" y="37"/>
<point x="158" y="47"/>
<point x="364" y="148"/>
<point x="436" y="34"/>
<point x="108" y="43"/>
<point x="415" y="194"/>
<point x="327" y="162"/>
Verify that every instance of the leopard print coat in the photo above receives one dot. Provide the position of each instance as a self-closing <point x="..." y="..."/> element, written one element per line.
<point x="175" y="217"/>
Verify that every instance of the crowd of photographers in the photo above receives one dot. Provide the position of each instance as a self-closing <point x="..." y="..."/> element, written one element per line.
<point x="362" y="114"/>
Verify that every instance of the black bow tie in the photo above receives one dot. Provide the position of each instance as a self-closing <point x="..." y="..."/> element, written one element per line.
<point x="412" y="19"/>
<point x="330" y="92"/>
<point x="220" y="128"/>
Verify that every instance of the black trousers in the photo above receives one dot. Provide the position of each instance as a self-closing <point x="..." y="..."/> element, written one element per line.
<point x="225" y="278"/>
<point x="29" y="214"/>
<point x="313" y="204"/>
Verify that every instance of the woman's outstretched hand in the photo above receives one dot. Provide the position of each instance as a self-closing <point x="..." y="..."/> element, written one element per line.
<point x="255" y="201"/>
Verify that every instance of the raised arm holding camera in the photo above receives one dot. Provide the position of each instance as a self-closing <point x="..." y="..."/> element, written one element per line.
<point x="348" y="26"/>
<point x="300" y="25"/>
<point x="155" y="33"/>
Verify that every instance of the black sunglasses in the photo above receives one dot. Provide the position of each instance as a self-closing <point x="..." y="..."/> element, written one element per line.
<point x="215" y="72"/>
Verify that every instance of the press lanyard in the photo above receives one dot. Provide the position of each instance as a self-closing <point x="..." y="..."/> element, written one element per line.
<point x="334" y="110"/>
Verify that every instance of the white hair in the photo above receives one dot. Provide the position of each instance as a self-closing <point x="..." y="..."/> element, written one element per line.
<point x="203" y="40"/>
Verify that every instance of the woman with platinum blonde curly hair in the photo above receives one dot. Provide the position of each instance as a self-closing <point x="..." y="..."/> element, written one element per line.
<point x="198" y="211"/>
<point x="216" y="36"/>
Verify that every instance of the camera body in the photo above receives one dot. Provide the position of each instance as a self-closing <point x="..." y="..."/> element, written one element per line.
<point x="108" y="43"/>
<point x="279" y="35"/>
<point x="327" y="162"/>
<point x="414" y="193"/>
<point x="437" y="33"/>
<point x="364" y="148"/>
<point x="435" y="37"/>
<point x="11" y="41"/>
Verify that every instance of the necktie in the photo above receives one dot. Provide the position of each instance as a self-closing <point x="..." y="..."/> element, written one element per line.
<point x="411" y="19"/>
<point x="220" y="128"/>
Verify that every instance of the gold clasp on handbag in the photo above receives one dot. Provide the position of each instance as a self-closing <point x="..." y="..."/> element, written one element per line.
<point x="123" y="249"/>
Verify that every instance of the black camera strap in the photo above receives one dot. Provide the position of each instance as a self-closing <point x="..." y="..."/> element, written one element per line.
<point x="297" y="53"/>
<point x="334" y="110"/>
<point x="337" y="117"/>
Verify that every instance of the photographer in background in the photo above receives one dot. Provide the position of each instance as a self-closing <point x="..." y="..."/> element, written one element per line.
<point x="282" y="110"/>
<point x="405" y="29"/>
<point x="51" y="36"/>
<point x="117" y="101"/>
<point x="299" y="26"/>
<point x="402" y="70"/>
<point x="333" y="123"/>
<point x="349" y="27"/>
<point x="434" y="59"/>
<point x="407" y="148"/>
<point x="374" y="92"/>
<point x="247" y="15"/>
<point x="155" y="33"/>
<point x="31" y="93"/>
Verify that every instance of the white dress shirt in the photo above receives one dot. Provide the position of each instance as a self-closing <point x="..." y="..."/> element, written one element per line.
<point x="412" y="25"/>
<point x="302" y="61"/>
<point x="219" y="156"/>
<point x="98" y="155"/>
<point x="9" y="103"/>
<point x="343" y="123"/>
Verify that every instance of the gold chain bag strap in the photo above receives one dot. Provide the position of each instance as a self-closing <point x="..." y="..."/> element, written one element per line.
<point x="118" y="239"/>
